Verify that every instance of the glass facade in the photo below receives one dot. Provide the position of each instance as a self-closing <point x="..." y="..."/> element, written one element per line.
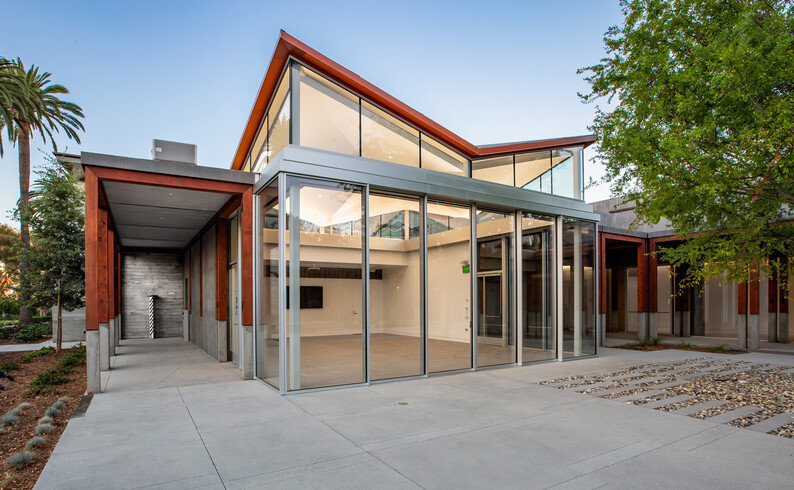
<point x="578" y="288"/>
<point x="557" y="172"/>
<point x="379" y="285"/>
<point x="537" y="288"/>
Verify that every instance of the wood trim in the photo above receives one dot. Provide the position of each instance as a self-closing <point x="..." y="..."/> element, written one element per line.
<point x="754" y="294"/>
<point x="111" y="272"/>
<point x="246" y="259"/>
<point x="653" y="278"/>
<point x="602" y="274"/>
<point x="288" y="47"/>
<point x="118" y="278"/>
<point x="102" y="265"/>
<point x="624" y="238"/>
<point x="91" y="250"/>
<point x="742" y="298"/>
<point x="201" y="276"/>
<point x="221" y="272"/>
<point x="162" y="180"/>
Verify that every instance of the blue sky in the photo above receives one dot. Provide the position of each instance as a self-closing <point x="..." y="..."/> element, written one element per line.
<point x="188" y="71"/>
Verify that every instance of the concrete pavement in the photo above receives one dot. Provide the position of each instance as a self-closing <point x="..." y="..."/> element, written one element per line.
<point x="173" y="418"/>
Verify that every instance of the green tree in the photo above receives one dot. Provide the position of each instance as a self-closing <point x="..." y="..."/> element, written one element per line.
<point x="9" y="261"/>
<point x="30" y="104"/>
<point x="57" y="257"/>
<point x="700" y="129"/>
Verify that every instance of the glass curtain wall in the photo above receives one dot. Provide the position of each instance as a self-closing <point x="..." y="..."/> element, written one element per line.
<point x="578" y="270"/>
<point x="449" y="287"/>
<point x="499" y="170"/>
<point x="495" y="288"/>
<point x="329" y="118"/>
<point x="537" y="288"/>
<point x="273" y="135"/>
<point x="267" y="333"/>
<point x="557" y="172"/>
<point x="386" y="138"/>
<point x="396" y="344"/>
<point x="325" y="301"/>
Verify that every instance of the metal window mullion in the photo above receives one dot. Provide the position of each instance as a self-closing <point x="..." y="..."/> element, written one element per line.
<point x="282" y="285"/>
<point x="258" y="269"/>
<point x="423" y="268"/>
<point x="518" y="289"/>
<point x="365" y="276"/>
<point x="596" y="267"/>
<point x="294" y="291"/>
<point x="558" y="273"/>
<point x="294" y="109"/>
<point x="473" y="324"/>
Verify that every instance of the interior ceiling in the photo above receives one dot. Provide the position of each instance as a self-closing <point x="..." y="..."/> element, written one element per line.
<point x="159" y="217"/>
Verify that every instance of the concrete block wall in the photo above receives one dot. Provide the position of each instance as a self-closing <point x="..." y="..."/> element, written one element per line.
<point x="199" y="268"/>
<point x="142" y="275"/>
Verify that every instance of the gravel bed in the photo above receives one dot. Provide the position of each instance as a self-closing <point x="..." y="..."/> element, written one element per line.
<point x="785" y="431"/>
<point x="649" y="399"/>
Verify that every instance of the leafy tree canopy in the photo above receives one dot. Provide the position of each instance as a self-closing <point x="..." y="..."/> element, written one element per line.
<point x="701" y="127"/>
<point x="57" y="222"/>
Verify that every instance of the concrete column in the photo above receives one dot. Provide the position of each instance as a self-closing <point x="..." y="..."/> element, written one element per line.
<point x="104" y="351"/>
<point x="223" y="352"/>
<point x="112" y="336"/>
<point x="686" y="324"/>
<point x="771" y="329"/>
<point x="763" y="307"/>
<point x="118" y="334"/>
<point x="785" y="323"/>
<point x="186" y="325"/>
<point x="93" y="379"/>
<point x="653" y="324"/>
<point x="741" y="331"/>
<point x="753" y="340"/>
<point x="602" y="325"/>
<point x="642" y="326"/>
<point x="247" y="361"/>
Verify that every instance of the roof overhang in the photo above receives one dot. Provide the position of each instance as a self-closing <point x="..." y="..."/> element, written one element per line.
<point x="163" y="205"/>
<point x="288" y="47"/>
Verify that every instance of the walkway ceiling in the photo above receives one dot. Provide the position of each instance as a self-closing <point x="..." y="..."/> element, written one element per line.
<point x="148" y="216"/>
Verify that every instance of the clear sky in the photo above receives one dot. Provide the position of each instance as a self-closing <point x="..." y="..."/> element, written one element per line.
<point x="491" y="71"/>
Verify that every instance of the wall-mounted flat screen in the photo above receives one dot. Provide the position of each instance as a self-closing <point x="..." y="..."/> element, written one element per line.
<point x="311" y="297"/>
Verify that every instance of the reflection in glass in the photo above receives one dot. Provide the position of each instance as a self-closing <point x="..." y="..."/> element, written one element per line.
<point x="498" y="170"/>
<point x="267" y="335"/>
<point x="395" y="279"/>
<point x="496" y="323"/>
<point x="578" y="271"/>
<point x="438" y="157"/>
<point x="324" y="301"/>
<point x="531" y="169"/>
<point x="278" y="117"/>
<point x="537" y="287"/>
<point x="386" y="138"/>
<point x="449" y="287"/>
<point x="562" y="173"/>
<point x="328" y="115"/>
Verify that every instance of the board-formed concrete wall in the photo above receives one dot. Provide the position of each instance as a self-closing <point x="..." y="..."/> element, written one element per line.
<point x="73" y="323"/>
<point x="199" y="268"/>
<point x="144" y="274"/>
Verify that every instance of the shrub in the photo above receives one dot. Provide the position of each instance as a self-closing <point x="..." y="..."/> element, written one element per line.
<point x="35" y="441"/>
<point x="59" y="405"/>
<point x="20" y="459"/>
<point x="7" y="331"/>
<point x="685" y="345"/>
<point x="37" y="353"/>
<point x="9" y="418"/>
<point x="43" y="429"/>
<point x="9" y="306"/>
<point x="51" y="377"/>
<point x="74" y="357"/>
<point x="45" y="420"/>
<point x="719" y="347"/>
<point x="30" y="333"/>
<point x="42" y="319"/>
<point x="8" y="366"/>
<point x="21" y="408"/>
<point x="52" y="412"/>
<point x="63" y="399"/>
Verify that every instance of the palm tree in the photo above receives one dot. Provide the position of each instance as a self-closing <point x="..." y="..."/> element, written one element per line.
<point x="29" y="103"/>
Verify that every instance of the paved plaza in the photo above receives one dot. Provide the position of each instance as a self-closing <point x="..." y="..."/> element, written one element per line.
<point x="171" y="417"/>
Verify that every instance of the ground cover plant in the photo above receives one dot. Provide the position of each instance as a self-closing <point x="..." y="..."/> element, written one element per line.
<point x="11" y="332"/>
<point x="41" y="414"/>
<point x="655" y="344"/>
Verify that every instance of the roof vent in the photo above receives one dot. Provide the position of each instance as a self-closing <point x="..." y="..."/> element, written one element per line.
<point x="174" y="152"/>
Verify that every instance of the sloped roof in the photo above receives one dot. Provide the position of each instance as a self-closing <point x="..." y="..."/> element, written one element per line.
<point x="289" y="47"/>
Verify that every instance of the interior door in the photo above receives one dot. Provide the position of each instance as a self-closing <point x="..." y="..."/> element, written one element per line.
<point x="491" y="325"/>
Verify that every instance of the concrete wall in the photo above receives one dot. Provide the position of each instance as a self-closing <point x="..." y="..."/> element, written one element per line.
<point x="144" y="274"/>
<point x="200" y="264"/>
<point x="73" y="323"/>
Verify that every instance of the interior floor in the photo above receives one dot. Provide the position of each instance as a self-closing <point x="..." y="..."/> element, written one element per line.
<point x="339" y="359"/>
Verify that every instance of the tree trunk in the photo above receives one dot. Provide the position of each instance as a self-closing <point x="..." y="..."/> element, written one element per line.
<point x="58" y="335"/>
<point x="23" y="140"/>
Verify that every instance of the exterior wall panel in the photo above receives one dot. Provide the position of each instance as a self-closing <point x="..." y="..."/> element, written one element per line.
<point x="144" y="274"/>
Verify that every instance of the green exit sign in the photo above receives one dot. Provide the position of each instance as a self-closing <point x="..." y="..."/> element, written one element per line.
<point x="465" y="269"/>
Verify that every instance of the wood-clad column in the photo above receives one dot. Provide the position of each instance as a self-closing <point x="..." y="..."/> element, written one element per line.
<point x="221" y="285"/>
<point x="602" y="286"/>
<point x="643" y="328"/>
<point x="102" y="288"/>
<point x="247" y="276"/>
<point x="91" y="280"/>
<point x="653" y="289"/>
<point x="111" y="290"/>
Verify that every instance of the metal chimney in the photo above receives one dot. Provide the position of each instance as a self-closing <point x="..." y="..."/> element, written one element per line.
<point x="174" y="152"/>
